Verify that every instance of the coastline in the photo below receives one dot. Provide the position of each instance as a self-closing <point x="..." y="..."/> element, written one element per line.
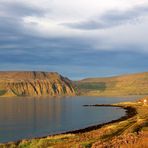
<point x="129" y="112"/>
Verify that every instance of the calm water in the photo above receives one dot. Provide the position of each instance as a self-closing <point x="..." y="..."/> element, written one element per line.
<point x="34" y="117"/>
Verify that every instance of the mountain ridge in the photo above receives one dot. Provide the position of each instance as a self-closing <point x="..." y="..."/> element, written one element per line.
<point x="116" y="76"/>
<point x="129" y="84"/>
<point x="34" y="83"/>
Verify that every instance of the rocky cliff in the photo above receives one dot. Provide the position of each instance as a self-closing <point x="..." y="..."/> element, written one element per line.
<point x="34" y="84"/>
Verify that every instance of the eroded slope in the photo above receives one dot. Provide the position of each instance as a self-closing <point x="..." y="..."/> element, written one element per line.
<point x="34" y="84"/>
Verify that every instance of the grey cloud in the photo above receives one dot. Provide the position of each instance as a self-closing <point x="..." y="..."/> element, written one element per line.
<point x="16" y="9"/>
<point x="11" y="14"/>
<point x="21" y="51"/>
<point x="110" y="19"/>
<point x="81" y="63"/>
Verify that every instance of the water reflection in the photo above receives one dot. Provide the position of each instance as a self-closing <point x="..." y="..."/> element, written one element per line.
<point x="31" y="117"/>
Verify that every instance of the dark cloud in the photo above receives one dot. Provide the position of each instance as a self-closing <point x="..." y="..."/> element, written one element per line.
<point x="75" y="57"/>
<point x="71" y="57"/>
<point x="110" y="19"/>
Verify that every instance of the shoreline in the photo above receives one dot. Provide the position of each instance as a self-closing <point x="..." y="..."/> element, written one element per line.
<point x="130" y="129"/>
<point x="129" y="112"/>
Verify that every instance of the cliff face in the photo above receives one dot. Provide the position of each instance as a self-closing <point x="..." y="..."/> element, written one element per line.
<point x="34" y="84"/>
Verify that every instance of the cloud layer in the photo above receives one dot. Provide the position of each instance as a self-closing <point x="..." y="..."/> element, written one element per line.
<point x="111" y="18"/>
<point x="76" y="38"/>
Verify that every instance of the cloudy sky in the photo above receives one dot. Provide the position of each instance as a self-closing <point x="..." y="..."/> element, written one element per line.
<point x="77" y="38"/>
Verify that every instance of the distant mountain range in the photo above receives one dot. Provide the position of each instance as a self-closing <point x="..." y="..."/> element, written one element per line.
<point x="131" y="84"/>
<point x="34" y="84"/>
<point x="53" y="84"/>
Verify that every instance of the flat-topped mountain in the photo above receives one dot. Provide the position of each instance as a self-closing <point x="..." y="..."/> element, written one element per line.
<point x="53" y="84"/>
<point x="34" y="84"/>
<point x="131" y="84"/>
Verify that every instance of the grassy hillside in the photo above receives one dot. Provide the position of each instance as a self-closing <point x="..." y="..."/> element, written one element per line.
<point x="132" y="84"/>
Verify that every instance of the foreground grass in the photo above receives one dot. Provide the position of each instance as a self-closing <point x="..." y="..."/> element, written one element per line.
<point x="129" y="133"/>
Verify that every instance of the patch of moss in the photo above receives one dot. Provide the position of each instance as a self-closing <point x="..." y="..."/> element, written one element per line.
<point x="2" y="92"/>
<point x="86" y="145"/>
<point x="92" y="86"/>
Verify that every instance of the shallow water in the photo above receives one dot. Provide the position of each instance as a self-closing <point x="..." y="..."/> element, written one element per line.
<point x="34" y="117"/>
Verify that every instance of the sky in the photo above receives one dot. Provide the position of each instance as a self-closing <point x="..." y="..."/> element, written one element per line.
<point x="77" y="38"/>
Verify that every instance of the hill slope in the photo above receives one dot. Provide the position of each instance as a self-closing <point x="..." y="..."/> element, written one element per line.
<point x="34" y="84"/>
<point x="132" y="84"/>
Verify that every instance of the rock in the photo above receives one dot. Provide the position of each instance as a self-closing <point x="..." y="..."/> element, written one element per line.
<point x="35" y="84"/>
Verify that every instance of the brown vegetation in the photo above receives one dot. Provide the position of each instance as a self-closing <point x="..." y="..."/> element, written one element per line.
<point x="132" y="84"/>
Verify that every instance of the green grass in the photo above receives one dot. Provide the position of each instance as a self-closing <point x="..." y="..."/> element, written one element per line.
<point x="2" y="92"/>
<point x="86" y="145"/>
<point x="92" y="86"/>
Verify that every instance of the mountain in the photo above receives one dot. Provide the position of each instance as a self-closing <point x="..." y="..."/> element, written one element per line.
<point x="131" y="84"/>
<point x="34" y="84"/>
<point x="53" y="84"/>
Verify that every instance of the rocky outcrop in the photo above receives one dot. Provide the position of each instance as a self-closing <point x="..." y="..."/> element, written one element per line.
<point x="35" y="84"/>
